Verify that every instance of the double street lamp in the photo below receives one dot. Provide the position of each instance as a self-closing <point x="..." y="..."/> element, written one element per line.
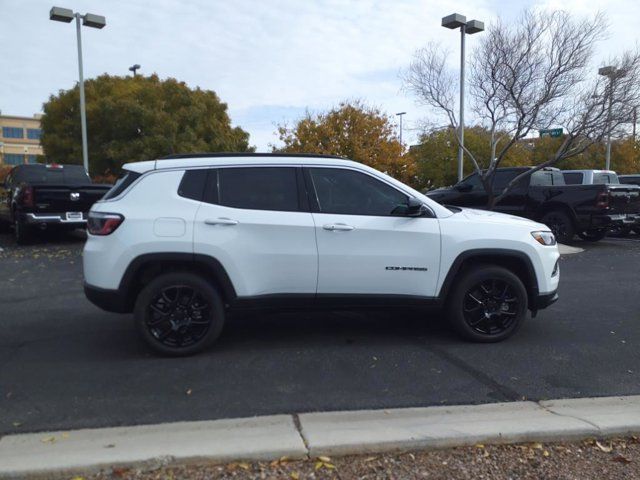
<point x="613" y="73"/>
<point x="88" y="20"/>
<point x="454" y="21"/>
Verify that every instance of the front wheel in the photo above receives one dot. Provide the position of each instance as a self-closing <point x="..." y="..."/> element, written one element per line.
<point x="488" y="304"/>
<point x="179" y="314"/>
<point x="560" y="224"/>
<point x="593" y="235"/>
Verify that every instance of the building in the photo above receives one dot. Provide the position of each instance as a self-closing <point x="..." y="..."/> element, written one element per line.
<point x="20" y="140"/>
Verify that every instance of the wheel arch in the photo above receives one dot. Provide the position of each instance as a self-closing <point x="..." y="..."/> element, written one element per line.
<point x="513" y="260"/>
<point x="147" y="266"/>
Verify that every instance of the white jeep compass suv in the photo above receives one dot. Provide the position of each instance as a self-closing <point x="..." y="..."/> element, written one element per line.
<point x="182" y="241"/>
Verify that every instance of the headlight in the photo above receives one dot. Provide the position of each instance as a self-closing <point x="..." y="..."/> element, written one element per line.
<point x="544" y="238"/>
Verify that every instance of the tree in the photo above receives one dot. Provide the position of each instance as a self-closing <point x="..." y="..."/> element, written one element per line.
<point x="137" y="118"/>
<point x="436" y="155"/>
<point x="532" y="76"/>
<point x="352" y="130"/>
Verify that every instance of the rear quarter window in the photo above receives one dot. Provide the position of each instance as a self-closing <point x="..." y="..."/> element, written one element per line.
<point x="192" y="184"/>
<point x="126" y="178"/>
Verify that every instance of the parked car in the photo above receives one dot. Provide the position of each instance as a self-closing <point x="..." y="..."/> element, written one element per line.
<point x="629" y="179"/>
<point x="182" y="241"/>
<point x="37" y="196"/>
<point x="586" y="210"/>
<point x="590" y="177"/>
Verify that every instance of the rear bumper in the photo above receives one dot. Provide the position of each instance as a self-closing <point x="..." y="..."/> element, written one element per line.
<point x="52" y="218"/>
<point x="109" y="300"/>
<point x="543" y="300"/>
<point x="616" y="220"/>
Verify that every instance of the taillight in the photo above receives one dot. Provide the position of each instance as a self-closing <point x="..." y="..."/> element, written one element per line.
<point x="26" y="197"/>
<point x="602" y="201"/>
<point x="100" y="223"/>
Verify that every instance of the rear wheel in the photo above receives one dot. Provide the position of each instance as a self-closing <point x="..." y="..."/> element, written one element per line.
<point x="179" y="314"/>
<point x="488" y="304"/>
<point x="560" y="224"/>
<point x="593" y="235"/>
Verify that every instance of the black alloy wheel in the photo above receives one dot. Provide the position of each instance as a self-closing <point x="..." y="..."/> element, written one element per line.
<point x="491" y="306"/>
<point x="560" y="224"/>
<point x="179" y="314"/>
<point x="487" y="304"/>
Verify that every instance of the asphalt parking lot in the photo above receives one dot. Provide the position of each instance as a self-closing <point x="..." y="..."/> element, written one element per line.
<point x="66" y="364"/>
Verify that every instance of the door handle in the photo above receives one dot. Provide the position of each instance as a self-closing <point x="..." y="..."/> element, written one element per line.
<point x="220" y="221"/>
<point x="338" y="226"/>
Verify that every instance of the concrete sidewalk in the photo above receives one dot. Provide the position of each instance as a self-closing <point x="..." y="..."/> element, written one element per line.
<point x="315" y="434"/>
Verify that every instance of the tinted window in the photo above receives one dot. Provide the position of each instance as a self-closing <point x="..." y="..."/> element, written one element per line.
<point x="353" y="193"/>
<point x="546" y="178"/>
<point x="474" y="181"/>
<point x="572" y="178"/>
<point x="62" y="174"/>
<point x="259" y="188"/>
<point x="503" y="177"/>
<point x="631" y="180"/>
<point x="126" y="178"/>
<point x="192" y="184"/>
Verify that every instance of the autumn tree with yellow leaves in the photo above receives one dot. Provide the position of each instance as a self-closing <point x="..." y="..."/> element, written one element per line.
<point x="352" y="130"/>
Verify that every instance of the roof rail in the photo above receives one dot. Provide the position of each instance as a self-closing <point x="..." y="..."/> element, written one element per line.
<point x="248" y="154"/>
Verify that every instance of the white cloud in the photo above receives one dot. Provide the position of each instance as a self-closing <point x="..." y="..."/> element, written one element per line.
<point x="268" y="60"/>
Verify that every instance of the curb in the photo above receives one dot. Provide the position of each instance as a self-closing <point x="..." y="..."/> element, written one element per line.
<point x="314" y="434"/>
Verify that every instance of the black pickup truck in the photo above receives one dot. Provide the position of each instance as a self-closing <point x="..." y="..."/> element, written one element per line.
<point x="40" y="196"/>
<point x="587" y="210"/>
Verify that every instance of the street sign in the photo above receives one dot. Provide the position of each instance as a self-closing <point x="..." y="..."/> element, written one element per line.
<point x="551" y="132"/>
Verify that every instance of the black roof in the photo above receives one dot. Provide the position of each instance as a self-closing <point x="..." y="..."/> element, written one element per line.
<point x="248" y="154"/>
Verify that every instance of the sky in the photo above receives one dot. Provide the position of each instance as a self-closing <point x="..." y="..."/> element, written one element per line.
<point x="269" y="60"/>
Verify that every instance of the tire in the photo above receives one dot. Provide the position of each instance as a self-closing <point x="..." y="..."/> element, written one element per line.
<point x="22" y="232"/>
<point x="488" y="304"/>
<point x="560" y="224"/>
<point x="169" y="307"/>
<point x="593" y="235"/>
<point x="619" y="232"/>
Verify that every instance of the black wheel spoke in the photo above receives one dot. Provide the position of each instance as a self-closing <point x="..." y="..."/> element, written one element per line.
<point x="178" y="317"/>
<point x="491" y="306"/>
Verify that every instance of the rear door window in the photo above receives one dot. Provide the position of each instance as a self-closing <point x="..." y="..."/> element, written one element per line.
<point x="259" y="188"/>
<point x="573" y="178"/>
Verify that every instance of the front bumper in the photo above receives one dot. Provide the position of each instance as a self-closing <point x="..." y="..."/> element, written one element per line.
<point x="53" y="218"/>
<point x="109" y="300"/>
<point x="543" y="300"/>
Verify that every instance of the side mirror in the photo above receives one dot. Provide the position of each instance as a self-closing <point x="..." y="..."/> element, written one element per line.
<point x="463" y="187"/>
<point x="415" y="208"/>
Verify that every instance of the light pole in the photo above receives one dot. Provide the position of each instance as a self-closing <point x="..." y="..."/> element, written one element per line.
<point x="401" y="114"/>
<point x="612" y="73"/>
<point x="453" y="21"/>
<point x="134" y="69"/>
<point x="88" y="20"/>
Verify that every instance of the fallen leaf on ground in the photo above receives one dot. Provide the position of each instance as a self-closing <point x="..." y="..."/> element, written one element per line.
<point x="188" y="392"/>
<point x="621" y="459"/>
<point x="604" y="448"/>
<point x="48" y="440"/>
<point x="324" y="459"/>
<point x="244" y="466"/>
<point x="295" y="475"/>
<point x="479" y="445"/>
